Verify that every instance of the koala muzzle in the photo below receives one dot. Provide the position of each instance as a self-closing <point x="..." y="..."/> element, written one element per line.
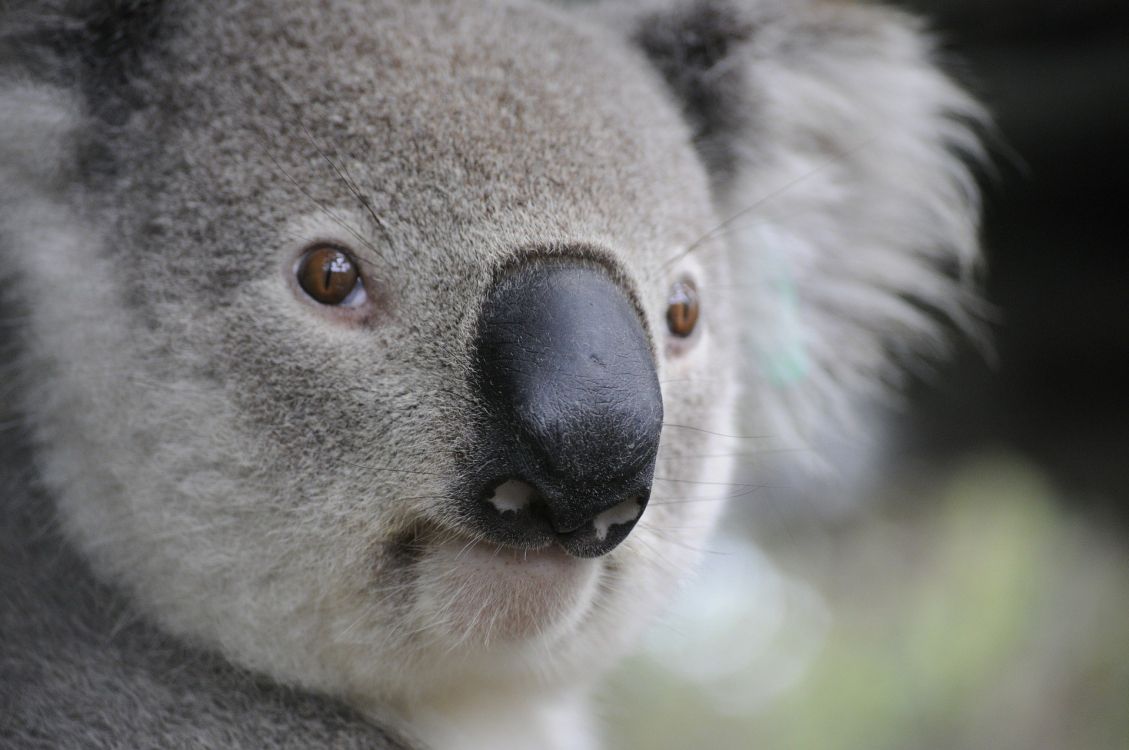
<point x="571" y="410"/>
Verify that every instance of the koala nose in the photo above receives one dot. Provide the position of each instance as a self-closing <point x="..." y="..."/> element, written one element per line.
<point x="564" y="369"/>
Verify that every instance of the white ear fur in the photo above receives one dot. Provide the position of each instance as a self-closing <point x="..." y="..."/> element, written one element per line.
<point x="853" y="215"/>
<point x="39" y="125"/>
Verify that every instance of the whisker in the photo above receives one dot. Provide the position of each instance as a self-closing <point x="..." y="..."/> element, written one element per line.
<point x="742" y="454"/>
<point x="694" y="380"/>
<point x="750" y="489"/>
<point x="708" y="483"/>
<point x="664" y="534"/>
<point x="346" y="179"/>
<point x="321" y="206"/>
<point x="761" y="202"/>
<point x="716" y="434"/>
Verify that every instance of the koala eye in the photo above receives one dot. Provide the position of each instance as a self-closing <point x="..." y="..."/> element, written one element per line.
<point x="682" y="309"/>
<point x="330" y="276"/>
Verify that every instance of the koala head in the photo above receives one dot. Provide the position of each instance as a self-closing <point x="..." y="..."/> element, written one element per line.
<point x="398" y="349"/>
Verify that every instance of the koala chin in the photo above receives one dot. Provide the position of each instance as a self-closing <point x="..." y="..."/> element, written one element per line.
<point x="376" y="369"/>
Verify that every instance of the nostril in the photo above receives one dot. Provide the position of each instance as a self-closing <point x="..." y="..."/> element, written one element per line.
<point x="511" y="496"/>
<point x="520" y="513"/>
<point x="626" y="512"/>
<point x="517" y="500"/>
<point x="603" y="532"/>
<point x="519" y="504"/>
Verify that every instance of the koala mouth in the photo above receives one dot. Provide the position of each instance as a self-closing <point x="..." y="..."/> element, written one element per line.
<point x="476" y="590"/>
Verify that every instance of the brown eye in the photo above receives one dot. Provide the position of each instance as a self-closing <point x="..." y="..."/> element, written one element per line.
<point x="328" y="274"/>
<point x="682" y="309"/>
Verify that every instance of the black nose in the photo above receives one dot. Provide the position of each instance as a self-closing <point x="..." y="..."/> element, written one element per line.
<point x="572" y="409"/>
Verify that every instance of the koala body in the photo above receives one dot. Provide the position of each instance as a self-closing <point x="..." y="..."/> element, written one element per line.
<point x="433" y="508"/>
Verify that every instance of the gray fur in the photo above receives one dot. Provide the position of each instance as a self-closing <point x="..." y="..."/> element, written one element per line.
<point x="80" y="670"/>
<point x="263" y="489"/>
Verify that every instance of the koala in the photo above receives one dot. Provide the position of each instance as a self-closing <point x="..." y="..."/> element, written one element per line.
<point x="375" y="371"/>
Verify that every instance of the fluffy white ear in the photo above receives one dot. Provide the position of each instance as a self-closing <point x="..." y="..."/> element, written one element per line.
<point x="840" y="156"/>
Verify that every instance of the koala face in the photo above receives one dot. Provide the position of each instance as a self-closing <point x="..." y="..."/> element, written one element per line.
<point x="378" y="345"/>
<point x="394" y="349"/>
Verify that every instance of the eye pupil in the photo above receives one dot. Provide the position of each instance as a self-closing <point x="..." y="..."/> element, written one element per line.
<point x="682" y="309"/>
<point x="327" y="274"/>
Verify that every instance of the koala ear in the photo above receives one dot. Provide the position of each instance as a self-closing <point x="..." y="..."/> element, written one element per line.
<point x="96" y="44"/>
<point x="839" y="156"/>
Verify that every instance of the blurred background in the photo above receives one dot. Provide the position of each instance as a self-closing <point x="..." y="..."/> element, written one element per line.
<point x="980" y="597"/>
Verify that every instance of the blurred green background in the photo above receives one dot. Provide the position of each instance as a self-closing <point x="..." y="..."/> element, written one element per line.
<point x="983" y="616"/>
<point x="978" y="598"/>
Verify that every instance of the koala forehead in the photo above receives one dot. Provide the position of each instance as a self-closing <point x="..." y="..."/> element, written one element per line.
<point x="454" y="135"/>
